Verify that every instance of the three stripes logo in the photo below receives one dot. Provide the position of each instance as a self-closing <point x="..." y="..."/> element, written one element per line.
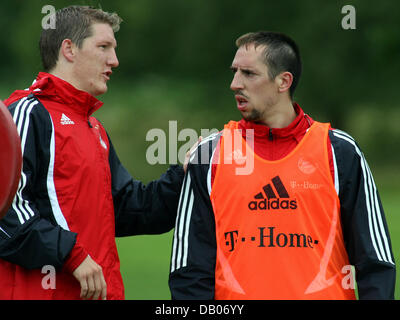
<point x="65" y="120"/>
<point x="270" y="201"/>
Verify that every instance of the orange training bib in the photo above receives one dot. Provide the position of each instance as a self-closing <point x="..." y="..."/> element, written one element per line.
<point x="278" y="226"/>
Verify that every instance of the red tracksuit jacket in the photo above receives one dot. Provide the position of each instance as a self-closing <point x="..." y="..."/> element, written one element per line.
<point x="74" y="196"/>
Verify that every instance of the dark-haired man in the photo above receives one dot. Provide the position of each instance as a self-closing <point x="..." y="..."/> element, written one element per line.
<point x="291" y="225"/>
<point x="74" y="195"/>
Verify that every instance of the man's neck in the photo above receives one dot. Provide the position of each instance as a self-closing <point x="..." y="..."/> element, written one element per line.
<point x="63" y="74"/>
<point x="58" y="74"/>
<point x="280" y="116"/>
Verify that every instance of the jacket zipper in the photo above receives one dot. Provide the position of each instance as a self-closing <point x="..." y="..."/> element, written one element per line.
<point x="271" y="137"/>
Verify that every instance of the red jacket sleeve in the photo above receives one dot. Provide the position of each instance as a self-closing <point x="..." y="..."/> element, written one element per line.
<point x="75" y="257"/>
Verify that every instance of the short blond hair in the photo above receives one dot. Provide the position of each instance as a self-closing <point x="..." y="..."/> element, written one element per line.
<point x="75" y="23"/>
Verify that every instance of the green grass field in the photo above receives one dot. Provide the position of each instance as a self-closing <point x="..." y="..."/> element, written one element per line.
<point x="390" y="192"/>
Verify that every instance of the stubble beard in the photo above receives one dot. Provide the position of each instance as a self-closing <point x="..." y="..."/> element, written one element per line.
<point x="253" y="116"/>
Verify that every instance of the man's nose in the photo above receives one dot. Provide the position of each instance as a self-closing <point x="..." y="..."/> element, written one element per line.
<point x="236" y="83"/>
<point x="113" y="60"/>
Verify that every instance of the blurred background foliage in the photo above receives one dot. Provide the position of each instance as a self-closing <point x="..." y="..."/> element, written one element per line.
<point x="174" y="65"/>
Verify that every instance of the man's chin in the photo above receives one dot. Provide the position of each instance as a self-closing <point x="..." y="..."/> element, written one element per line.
<point x="250" y="116"/>
<point x="99" y="91"/>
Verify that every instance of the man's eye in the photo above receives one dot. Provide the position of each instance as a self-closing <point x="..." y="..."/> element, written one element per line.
<point x="247" y="72"/>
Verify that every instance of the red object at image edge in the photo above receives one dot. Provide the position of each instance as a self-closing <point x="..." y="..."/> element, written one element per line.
<point x="10" y="159"/>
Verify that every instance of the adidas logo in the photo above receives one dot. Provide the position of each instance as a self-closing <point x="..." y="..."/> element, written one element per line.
<point x="271" y="201"/>
<point x="65" y="120"/>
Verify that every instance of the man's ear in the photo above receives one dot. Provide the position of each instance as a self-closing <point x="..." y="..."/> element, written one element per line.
<point x="284" y="81"/>
<point x="68" y="50"/>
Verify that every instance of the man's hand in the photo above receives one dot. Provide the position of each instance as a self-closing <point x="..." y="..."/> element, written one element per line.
<point x="187" y="156"/>
<point x="90" y="276"/>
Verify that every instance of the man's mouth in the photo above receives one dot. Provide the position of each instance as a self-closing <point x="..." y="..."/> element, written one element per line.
<point x="241" y="101"/>
<point x="107" y="75"/>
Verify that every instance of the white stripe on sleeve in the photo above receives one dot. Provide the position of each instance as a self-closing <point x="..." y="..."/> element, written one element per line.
<point x="336" y="171"/>
<point x="181" y="234"/>
<point x="377" y="231"/>
<point x="51" y="189"/>
<point x="21" y="118"/>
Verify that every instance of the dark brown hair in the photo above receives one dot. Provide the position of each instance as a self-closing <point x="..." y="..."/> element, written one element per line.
<point x="281" y="53"/>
